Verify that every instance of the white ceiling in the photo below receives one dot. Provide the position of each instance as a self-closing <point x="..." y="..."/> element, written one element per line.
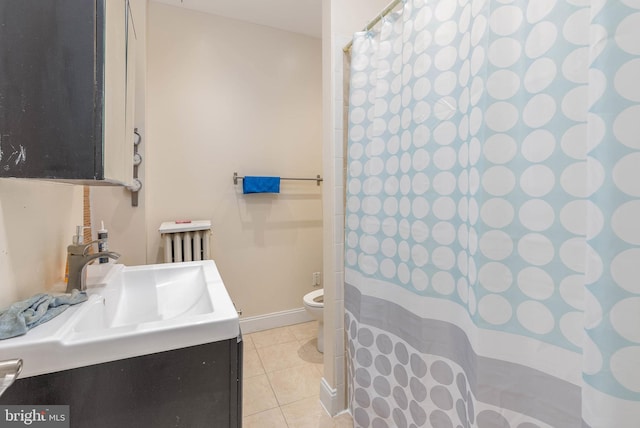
<point x="298" y="16"/>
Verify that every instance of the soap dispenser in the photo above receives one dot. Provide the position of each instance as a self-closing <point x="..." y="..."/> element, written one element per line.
<point x="102" y="242"/>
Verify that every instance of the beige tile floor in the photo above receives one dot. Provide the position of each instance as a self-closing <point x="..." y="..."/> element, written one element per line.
<point x="282" y="372"/>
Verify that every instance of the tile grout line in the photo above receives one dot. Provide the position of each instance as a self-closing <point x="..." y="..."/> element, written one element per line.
<point x="301" y="342"/>
<point x="273" y="390"/>
<point x="286" y="422"/>
<point x="284" y="418"/>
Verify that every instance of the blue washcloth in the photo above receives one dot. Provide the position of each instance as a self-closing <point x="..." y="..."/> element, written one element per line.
<point x="23" y="316"/>
<point x="261" y="185"/>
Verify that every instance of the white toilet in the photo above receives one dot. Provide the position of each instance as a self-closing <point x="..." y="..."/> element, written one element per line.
<point x="314" y="304"/>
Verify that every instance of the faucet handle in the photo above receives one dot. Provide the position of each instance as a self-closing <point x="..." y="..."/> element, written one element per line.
<point x="78" y="238"/>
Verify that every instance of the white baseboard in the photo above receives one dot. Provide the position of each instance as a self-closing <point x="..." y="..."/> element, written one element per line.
<point x="331" y="399"/>
<point x="273" y="320"/>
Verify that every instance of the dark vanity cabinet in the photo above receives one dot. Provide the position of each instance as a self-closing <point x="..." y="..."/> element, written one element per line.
<point x="198" y="386"/>
<point x="67" y="72"/>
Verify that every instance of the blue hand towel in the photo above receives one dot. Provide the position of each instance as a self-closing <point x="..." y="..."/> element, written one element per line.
<point x="261" y="185"/>
<point x="23" y="316"/>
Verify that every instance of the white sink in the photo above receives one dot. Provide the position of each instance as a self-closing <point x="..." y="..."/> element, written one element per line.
<point x="131" y="311"/>
<point x="144" y="294"/>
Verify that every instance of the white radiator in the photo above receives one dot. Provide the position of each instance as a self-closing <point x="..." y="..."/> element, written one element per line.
<point x="185" y="242"/>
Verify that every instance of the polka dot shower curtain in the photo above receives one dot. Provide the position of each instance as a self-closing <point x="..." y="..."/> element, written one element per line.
<point x="492" y="247"/>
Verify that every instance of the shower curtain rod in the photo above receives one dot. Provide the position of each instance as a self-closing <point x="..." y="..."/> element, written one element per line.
<point x="375" y="20"/>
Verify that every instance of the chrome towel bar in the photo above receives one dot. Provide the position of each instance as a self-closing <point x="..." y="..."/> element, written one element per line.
<point x="318" y="179"/>
<point x="9" y="371"/>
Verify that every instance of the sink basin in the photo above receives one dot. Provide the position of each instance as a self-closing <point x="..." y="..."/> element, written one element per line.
<point x="143" y="294"/>
<point x="131" y="311"/>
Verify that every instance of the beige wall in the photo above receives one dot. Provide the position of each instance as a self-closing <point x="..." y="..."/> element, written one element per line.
<point x="37" y="221"/>
<point x="226" y="96"/>
<point x="340" y="20"/>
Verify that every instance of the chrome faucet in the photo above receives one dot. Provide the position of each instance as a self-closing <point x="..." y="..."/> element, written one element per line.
<point x="78" y="261"/>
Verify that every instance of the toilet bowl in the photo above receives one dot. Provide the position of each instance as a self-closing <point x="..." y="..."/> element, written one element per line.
<point x="314" y="304"/>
